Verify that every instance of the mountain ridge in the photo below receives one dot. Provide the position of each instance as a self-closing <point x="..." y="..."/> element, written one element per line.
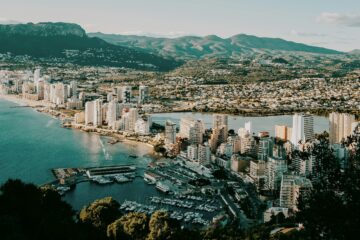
<point x="195" y="47"/>
<point x="68" y="42"/>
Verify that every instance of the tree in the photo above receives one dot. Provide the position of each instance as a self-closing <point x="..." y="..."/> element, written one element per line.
<point x="131" y="226"/>
<point x="100" y="213"/>
<point x="332" y="209"/>
<point x="162" y="227"/>
<point x="29" y="212"/>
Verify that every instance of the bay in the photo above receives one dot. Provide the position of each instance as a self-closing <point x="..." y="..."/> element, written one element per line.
<point x="33" y="143"/>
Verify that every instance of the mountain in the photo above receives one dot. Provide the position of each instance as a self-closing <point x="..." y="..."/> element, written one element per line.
<point x="355" y="52"/>
<point x="191" y="47"/>
<point x="68" y="43"/>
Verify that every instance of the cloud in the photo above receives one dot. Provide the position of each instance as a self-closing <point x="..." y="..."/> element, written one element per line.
<point x="307" y="34"/>
<point x="349" y="20"/>
<point x="8" y="21"/>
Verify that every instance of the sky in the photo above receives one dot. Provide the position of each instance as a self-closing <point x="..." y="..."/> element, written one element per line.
<point x="326" y="23"/>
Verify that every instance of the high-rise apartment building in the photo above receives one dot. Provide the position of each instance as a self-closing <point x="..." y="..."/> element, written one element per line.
<point x="143" y="94"/>
<point x="204" y="154"/>
<point x="291" y="188"/>
<point x="142" y="126"/>
<point x="73" y="89"/>
<point x="36" y="75"/>
<point x="283" y="132"/>
<point x="192" y="129"/>
<point x="129" y="118"/>
<point x="192" y="152"/>
<point x="220" y="120"/>
<point x="340" y="126"/>
<point x="276" y="167"/>
<point x="112" y="113"/>
<point x="170" y="132"/>
<point x="303" y="128"/>
<point x="89" y="113"/>
<point x="98" y="113"/>
<point x="126" y="94"/>
<point x="265" y="148"/>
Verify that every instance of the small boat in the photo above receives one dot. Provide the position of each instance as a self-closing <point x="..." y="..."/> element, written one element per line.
<point x="62" y="190"/>
<point x="113" y="141"/>
<point x="122" y="179"/>
<point x="102" y="180"/>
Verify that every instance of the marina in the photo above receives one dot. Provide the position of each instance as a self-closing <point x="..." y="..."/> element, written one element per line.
<point x="181" y="210"/>
<point x="66" y="177"/>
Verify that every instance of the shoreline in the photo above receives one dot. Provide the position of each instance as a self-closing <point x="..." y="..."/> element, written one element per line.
<point x="38" y="105"/>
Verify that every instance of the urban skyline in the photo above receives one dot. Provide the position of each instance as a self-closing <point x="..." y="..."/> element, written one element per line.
<point x="239" y="135"/>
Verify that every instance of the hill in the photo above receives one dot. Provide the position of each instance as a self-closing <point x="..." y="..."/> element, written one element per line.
<point x="64" y="42"/>
<point x="354" y="52"/>
<point x="192" y="47"/>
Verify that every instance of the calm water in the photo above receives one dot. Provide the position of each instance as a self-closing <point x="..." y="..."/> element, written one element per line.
<point x="32" y="143"/>
<point x="235" y="122"/>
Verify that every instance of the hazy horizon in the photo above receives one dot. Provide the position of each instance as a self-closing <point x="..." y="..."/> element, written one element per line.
<point x="324" y="23"/>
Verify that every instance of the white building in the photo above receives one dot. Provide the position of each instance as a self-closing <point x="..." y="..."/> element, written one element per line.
<point x="73" y="89"/>
<point x="94" y="113"/>
<point x="204" y="154"/>
<point x="36" y="75"/>
<point x="40" y="89"/>
<point x="248" y="127"/>
<point x="291" y="188"/>
<point x="129" y="118"/>
<point x="143" y="94"/>
<point x="112" y="113"/>
<point x="58" y="93"/>
<point x="192" y="152"/>
<point x="98" y="113"/>
<point x="192" y="129"/>
<point x="303" y="129"/>
<point x="74" y="103"/>
<point x="89" y="113"/>
<point x="142" y="126"/>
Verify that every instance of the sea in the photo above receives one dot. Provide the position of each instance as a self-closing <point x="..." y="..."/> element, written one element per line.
<point x="33" y="143"/>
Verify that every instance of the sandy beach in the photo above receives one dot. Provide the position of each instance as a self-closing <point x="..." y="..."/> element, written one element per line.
<point x="25" y="102"/>
<point x="43" y="104"/>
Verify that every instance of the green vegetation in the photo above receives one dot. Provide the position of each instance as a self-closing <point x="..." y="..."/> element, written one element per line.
<point x="130" y="226"/>
<point x="28" y="212"/>
<point x="332" y="209"/>
<point x="68" y="43"/>
<point x="100" y="213"/>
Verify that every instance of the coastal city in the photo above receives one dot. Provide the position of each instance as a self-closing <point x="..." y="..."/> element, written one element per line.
<point x="179" y="120"/>
<point x="204" y="175"/>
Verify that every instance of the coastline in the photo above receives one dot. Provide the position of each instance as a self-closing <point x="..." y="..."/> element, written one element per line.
<point x="39" y="105"/>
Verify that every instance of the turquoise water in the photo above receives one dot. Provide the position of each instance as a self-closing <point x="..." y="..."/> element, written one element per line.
<point x="32" y="143"/>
